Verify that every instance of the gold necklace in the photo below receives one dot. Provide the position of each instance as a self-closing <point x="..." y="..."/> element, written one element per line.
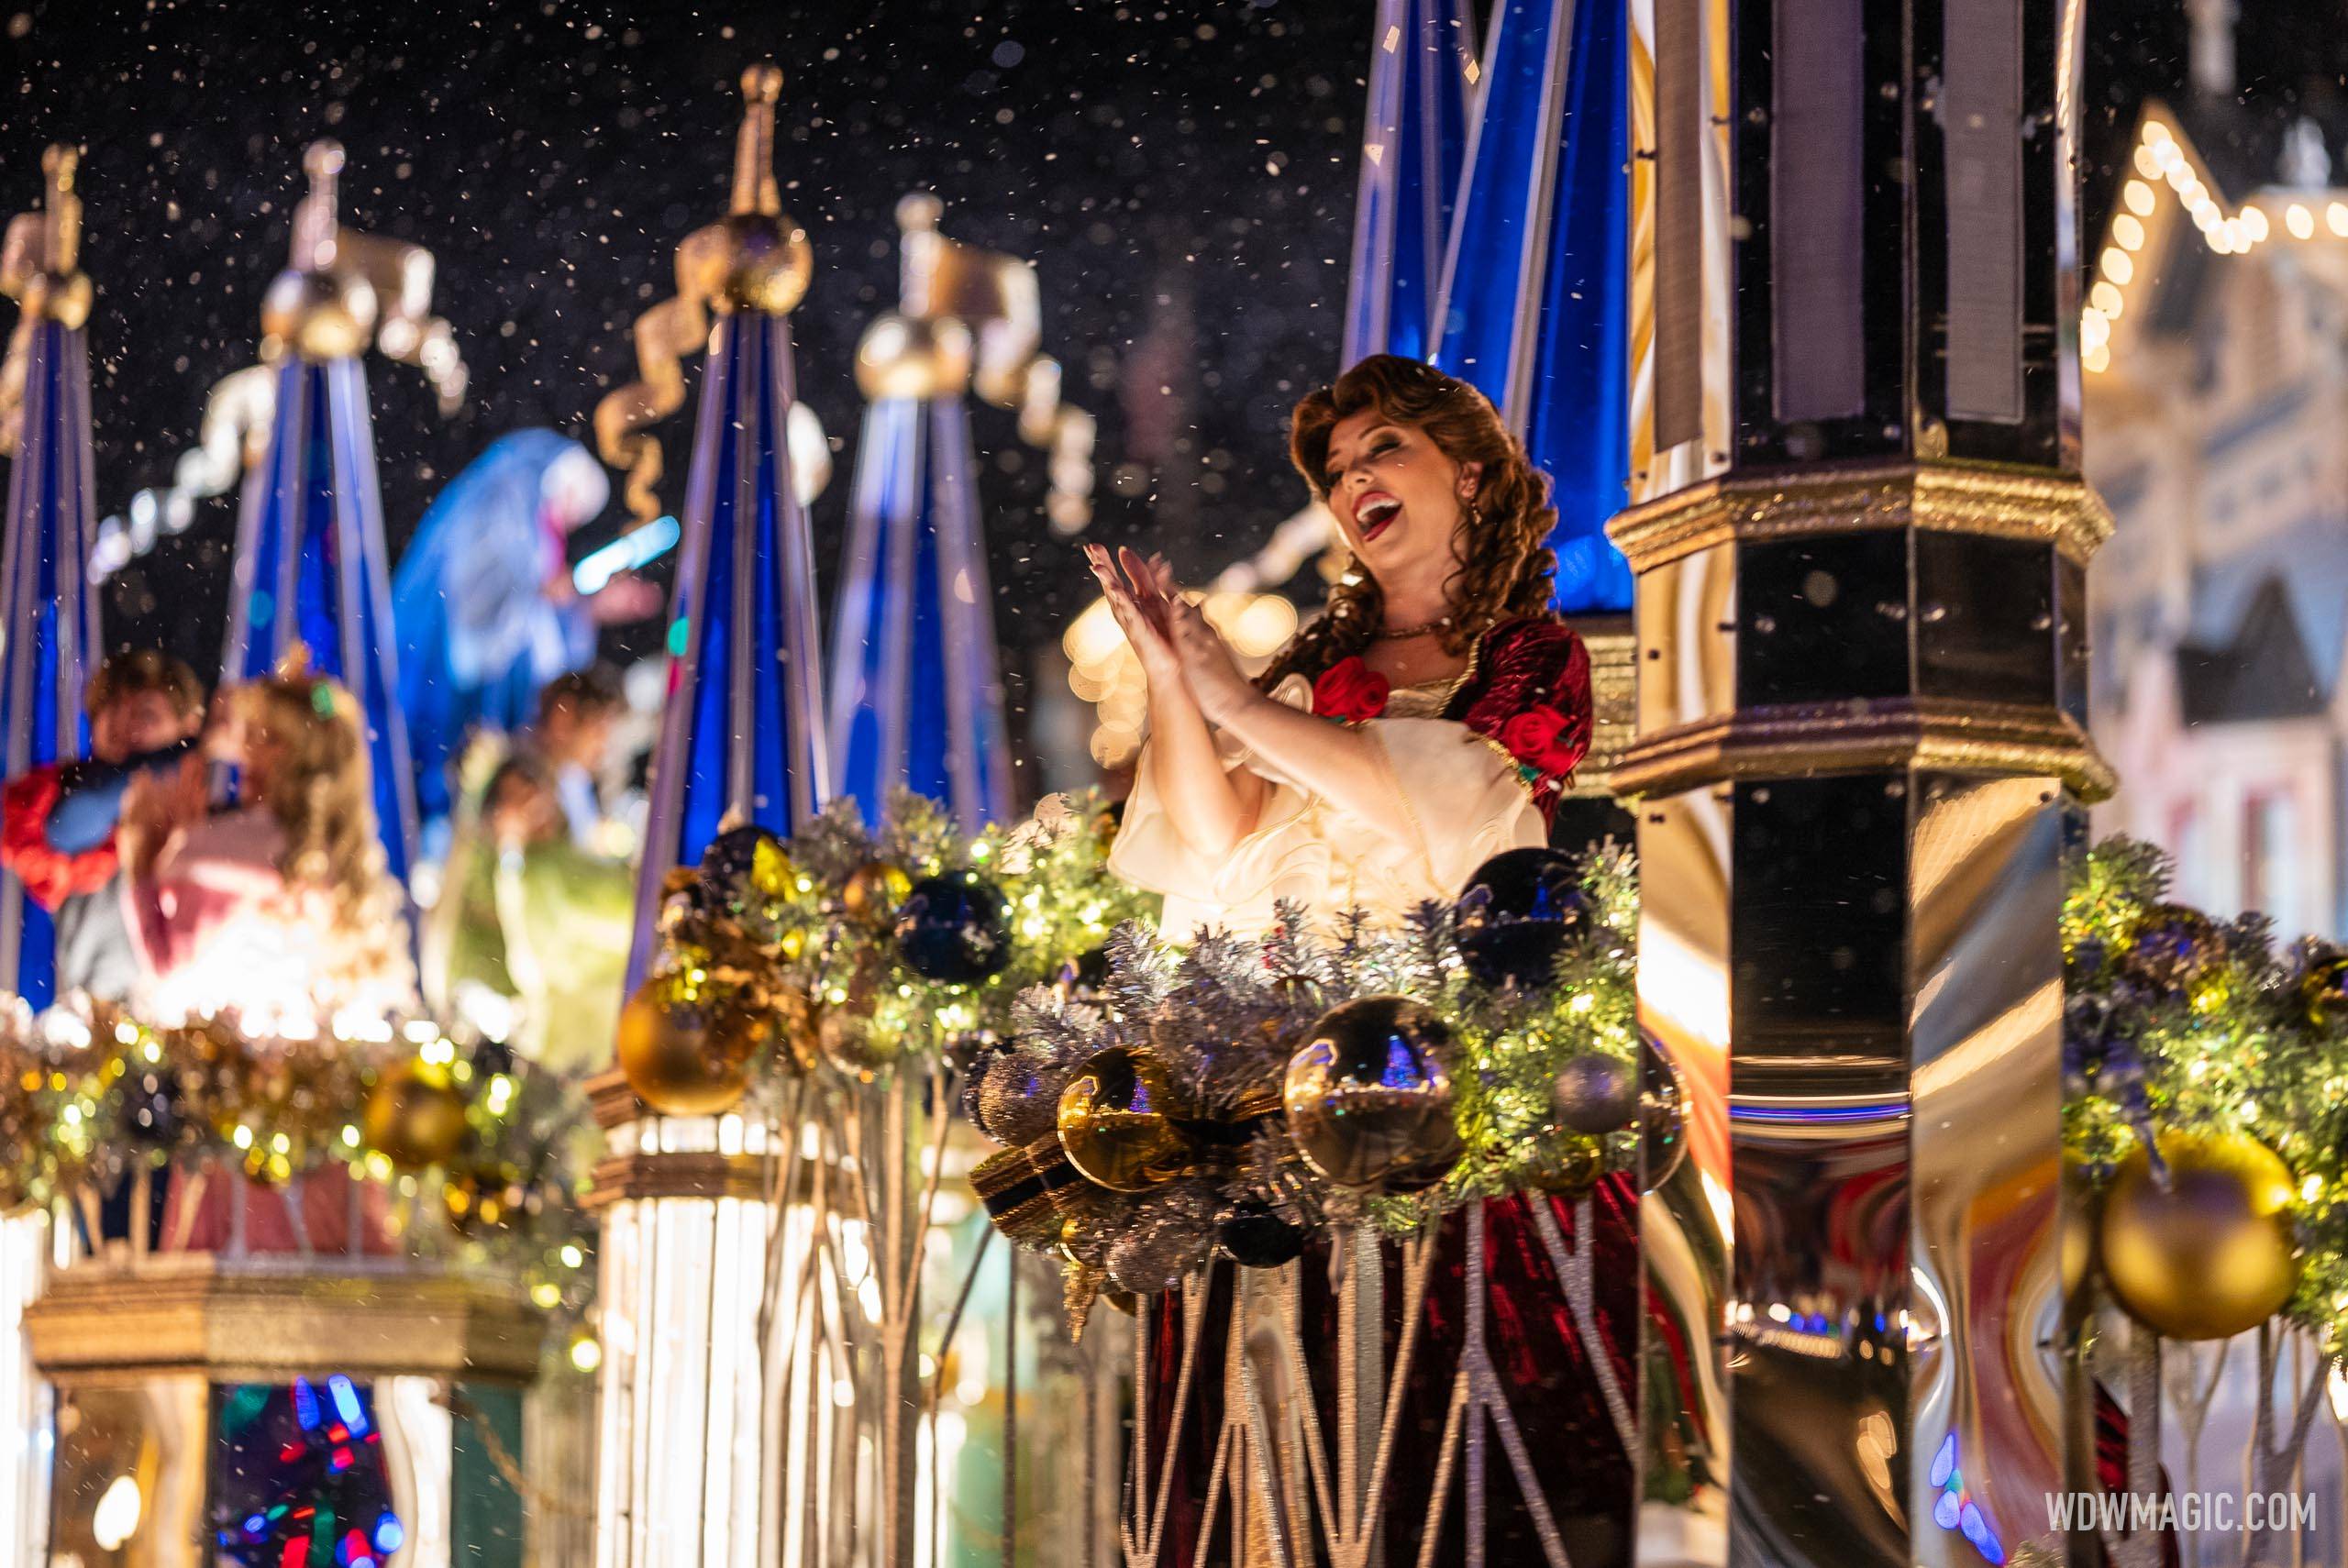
<point x="1398" y="633"/>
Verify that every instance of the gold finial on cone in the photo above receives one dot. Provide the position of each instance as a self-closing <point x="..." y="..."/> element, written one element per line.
<point x="754" y="186"/>
<point x="317" y="309"/>
<point x="316" y="220"/>
<point x="340" y="292"/>
<point x="40" y="253"/>
<point x="972" y="319"/>
<point x="754" y="261"/>
<point x="63" y="211"/>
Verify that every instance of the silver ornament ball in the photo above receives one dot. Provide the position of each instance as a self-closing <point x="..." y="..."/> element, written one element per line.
<point x="1596" y="1094"/>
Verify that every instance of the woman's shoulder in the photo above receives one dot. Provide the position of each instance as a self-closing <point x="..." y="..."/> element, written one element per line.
<point x="1525" y="661"/>
<point x="1530" y="694"/>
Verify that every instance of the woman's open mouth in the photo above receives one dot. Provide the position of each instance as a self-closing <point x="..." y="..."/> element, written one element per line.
<point x="1375" y="514"/>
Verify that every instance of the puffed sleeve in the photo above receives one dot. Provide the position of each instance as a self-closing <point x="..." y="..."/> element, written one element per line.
<point x="1150" y="853"/>
<point x="1456" y="801"/>
<point x="1464" y="800"/>
<point x="1532" y="700"/>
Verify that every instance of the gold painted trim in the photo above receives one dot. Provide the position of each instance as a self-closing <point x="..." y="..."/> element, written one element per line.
<point x="612" y="1102"/>
<point x="2001" y="503"/>
<point x="1614" y="696"/>
<point x="268" y="1318"/>
<point x="699" y="1173"/>
<point x="1842" y="738"/>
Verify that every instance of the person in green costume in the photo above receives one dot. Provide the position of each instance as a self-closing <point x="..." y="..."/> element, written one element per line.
<point x="531" y="919"/>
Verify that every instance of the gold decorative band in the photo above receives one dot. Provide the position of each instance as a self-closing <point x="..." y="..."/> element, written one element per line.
<point x="698" y="1174"/>
<point x="1614" y="694"/>
<point x="277" y="1317"/>
<point x="1847" y="737"/>
<point x="2003" y="503"/>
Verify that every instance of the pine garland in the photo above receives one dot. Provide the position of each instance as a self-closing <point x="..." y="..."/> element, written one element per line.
<point x="2176" y="1020"/>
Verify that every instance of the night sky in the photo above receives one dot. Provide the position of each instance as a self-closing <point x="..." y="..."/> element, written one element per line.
<point x="1183" y="173"/>
<point x="1184" y="176"/>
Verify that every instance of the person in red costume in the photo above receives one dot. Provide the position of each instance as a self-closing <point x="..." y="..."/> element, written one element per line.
<point x="1430" y="719"/>
<point x="58" y="821"/>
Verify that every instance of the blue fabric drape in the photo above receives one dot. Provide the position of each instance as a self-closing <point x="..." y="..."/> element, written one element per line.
<point x="1536" y="287"/>
<point x="311" y="566"/>
<point x="915" y="698"/>
<point x="478" y="633"/>
<point x="742" y="734"/>
<point x="50" y="632"/>
<point x="1414" y="138"/>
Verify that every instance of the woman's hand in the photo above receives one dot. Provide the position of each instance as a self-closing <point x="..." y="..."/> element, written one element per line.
<point x="158" y="810"/>
<point x="1140" y="611"/>
<point x="628" y="598"/>
<point x="1215" y="677"/>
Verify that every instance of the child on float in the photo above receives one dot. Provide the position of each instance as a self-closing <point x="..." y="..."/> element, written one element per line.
<point x="56" y="822"/>
<point x="276" y="909"/>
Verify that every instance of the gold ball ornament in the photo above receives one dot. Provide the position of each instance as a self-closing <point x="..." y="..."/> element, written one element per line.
<point x="1368" y="1098"/>
<point x="2079" y="1216"/>
<point x="759" y="262"/>
<point x="1117" y="1121"/>
<point x="2208" y="1255"/>
<point x="319" y="315"/>
<point x="689" y="1055"/>
<point x="1569" y="1164"/>
<point x="63" y="299"/>
<point x="414" y="1117"/>
<point x="2323" y="991"/>
<point x="873" y="890"/>
<point x="852" y="1044"/>
<point x="904" y="357"/>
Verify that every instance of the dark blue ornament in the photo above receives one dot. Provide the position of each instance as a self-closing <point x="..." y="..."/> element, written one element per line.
<point x="150" y="1106"/>
<point x="492" y="1058"/>
<point x="1517" y="913"/>
<point x="955" y="929"/>
<point x="732" y="857"/>
<point x="1251" y="1234"/>
<point x="1082" y="977"/>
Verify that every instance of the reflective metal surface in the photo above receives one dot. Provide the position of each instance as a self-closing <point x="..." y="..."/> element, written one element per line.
<point x="1859" y="667"/>
<point x="1684" y="1453"/>
<point x="1857" y="977"/>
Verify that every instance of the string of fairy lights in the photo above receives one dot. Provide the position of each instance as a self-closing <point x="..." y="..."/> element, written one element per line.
<point x="2165" y="161"/>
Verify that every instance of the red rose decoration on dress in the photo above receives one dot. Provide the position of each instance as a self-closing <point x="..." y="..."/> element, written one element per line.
<point x="1350" y="692"/>
<point x="1538" y="735"/>
<point x="1531" y="698"/>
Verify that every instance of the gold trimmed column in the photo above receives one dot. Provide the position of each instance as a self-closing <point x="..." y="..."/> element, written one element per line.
<point x="690" y="1429"/>
<point x="1860" y="540"/>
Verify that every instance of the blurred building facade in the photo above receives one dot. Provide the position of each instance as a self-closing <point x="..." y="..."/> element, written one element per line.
<point x="2214" y="341"/>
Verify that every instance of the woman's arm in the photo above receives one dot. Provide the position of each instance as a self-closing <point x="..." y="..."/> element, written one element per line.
<point x="1212" y="807"/>
<point x="1344" y="766"/>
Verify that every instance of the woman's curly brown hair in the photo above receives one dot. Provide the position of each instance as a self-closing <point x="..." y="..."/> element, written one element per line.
<point x="322" y="795"/>
<point x="1505" y="569"/>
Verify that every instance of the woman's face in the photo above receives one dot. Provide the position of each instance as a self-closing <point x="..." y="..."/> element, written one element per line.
<point x="1396" y="495"/>
<point x="239" y="736"/>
